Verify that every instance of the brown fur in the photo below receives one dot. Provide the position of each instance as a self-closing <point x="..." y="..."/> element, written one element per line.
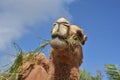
<point x="64" y="65"/>
<point x="37" y="73"/>
<point x="65" y="55"/>
<point x="34" y="70"/>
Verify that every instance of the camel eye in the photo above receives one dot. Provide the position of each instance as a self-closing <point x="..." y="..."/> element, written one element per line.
<point x="75" y="38"/>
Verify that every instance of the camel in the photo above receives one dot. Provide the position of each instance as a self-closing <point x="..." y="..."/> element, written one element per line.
<point x="34" y="69"/>
<point x="66" y="55"/>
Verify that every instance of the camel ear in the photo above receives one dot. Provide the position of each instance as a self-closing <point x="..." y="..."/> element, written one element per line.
<point x="85" y="38"/>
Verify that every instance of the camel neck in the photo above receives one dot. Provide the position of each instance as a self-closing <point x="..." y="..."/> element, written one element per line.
<point x="63" y="71"/>
<point x="65" y="65"/>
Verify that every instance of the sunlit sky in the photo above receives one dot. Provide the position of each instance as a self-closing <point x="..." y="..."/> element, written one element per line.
<point x="26" y="21"/>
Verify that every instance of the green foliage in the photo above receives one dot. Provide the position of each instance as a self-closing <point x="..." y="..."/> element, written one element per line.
<point x="84" y="75"/>
<point x="41" y="47"/>
<point x="22" y="57"/>
<point x="112" y="72"/>
<point x="18" y="62"/>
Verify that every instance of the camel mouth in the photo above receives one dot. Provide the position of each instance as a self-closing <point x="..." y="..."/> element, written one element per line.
<point x="61" y="37"/>
<point x="58" y="42"/>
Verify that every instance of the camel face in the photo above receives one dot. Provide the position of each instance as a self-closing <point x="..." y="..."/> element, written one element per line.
<point x="64" y="34"/>
<point x="59" y="33"/>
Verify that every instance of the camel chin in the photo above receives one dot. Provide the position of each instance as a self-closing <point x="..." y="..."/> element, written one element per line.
<point x="58" y="43"/>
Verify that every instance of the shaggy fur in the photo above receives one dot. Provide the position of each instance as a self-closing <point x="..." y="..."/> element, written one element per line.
<point x="34" y="70"/>
<point x="65" y="55"/>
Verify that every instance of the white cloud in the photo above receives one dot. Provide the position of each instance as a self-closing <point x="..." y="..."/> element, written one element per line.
<point x="16" y="15"/>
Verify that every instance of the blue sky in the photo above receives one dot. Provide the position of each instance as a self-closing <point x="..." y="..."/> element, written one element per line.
<point x="100" y="20"/>
<point x="24" y="21"/>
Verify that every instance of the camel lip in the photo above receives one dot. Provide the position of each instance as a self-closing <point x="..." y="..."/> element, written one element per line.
<point x="58" y="43"/>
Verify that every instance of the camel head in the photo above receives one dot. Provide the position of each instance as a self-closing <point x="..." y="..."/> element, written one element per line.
<point x="65" y="35"/>
<point x="66" y="54"/>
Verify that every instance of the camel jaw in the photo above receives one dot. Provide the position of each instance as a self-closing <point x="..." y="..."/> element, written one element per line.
<point x="58" y="43"/>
